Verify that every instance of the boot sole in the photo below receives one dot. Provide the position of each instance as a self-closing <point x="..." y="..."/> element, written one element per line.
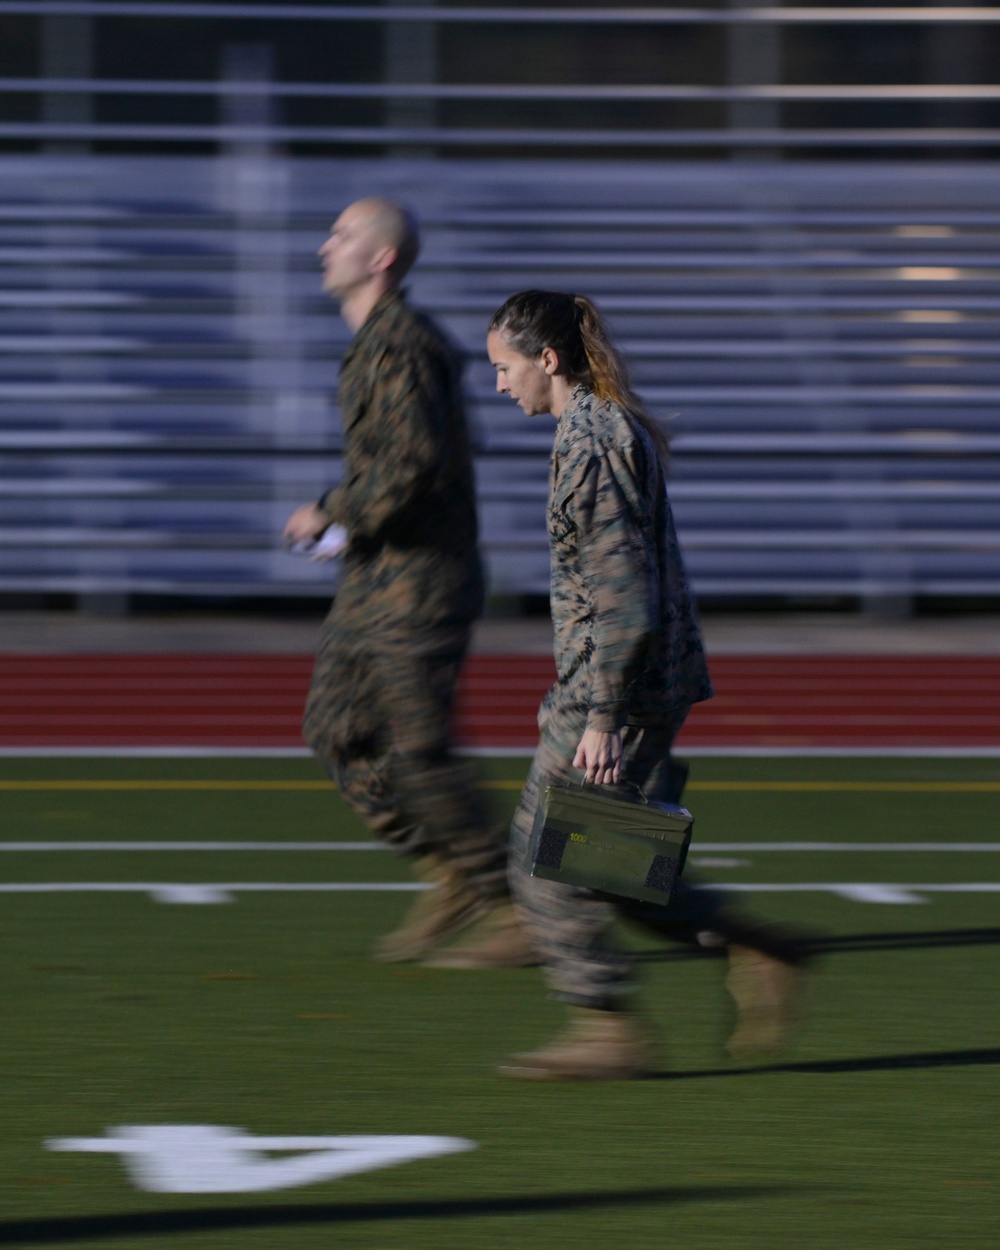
<point x="471" y="964"/>
<point x="526" y="1072"/>
<point x="416" y="950"/>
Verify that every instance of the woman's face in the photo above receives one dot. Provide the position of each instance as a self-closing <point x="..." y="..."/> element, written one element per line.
<point x="523" y="379"/>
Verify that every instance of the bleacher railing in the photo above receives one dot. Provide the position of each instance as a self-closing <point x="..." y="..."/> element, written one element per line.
<point x="824" y="330"/>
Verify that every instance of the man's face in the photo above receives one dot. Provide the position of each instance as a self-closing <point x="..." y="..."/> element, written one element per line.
<point x="523" y="379"/>
<point x="348" y="256"/>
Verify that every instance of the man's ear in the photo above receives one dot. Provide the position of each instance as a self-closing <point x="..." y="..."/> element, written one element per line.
<point x="550" y="360"/>
<point x="384" y="259"/>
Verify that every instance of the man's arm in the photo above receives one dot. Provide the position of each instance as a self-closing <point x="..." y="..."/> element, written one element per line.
<point x="305" y="524"/>
<point x="401" y="437"/>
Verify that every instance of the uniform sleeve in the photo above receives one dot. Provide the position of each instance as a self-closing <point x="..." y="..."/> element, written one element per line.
<point x="619" y="569"/>
<point x="402" y="435"/>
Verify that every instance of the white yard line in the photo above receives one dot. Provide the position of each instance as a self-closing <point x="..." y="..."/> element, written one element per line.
<point x="205" y="892"/>
<point x="697" y="848"/>
<point x="878" y="847"/>
<point x="223" y="892"/>
<point x="191" y="846"/>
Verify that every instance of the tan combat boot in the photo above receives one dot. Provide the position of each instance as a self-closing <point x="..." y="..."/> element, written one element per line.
<point x="764" y="990"/>
<point x="438" y="913"/>
<point x="498" y="940"/>
<point x="597" y="1046"/>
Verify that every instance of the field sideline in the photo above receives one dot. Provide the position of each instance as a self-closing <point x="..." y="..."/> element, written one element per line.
<point x="186" y="944"/>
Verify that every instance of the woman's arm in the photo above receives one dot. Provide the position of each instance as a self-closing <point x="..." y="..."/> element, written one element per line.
<point x="618" y="562"/>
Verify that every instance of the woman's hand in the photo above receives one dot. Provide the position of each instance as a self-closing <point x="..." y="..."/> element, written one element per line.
<point x="600" y="756"/>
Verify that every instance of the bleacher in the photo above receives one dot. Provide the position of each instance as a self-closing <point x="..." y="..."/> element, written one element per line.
<point x="821" y="337"/>
<point x="820" y="333"/>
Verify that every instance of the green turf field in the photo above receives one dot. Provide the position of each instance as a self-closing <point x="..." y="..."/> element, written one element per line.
<point x="263" y="1013"/>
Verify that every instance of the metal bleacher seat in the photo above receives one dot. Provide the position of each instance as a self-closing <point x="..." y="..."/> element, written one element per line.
<point x="821" y="336"/>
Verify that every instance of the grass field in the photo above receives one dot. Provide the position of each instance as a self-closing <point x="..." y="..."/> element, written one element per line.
<point x="876" y="1130"/>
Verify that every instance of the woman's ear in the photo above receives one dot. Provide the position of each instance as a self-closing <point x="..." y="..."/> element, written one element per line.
<point x="550" y="360"/>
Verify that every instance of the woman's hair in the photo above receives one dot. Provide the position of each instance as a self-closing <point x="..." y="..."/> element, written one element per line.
<point x="530" y="321"/>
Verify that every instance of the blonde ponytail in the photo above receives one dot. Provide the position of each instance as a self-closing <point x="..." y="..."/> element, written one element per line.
<point x="534" y="320"/>
<point x="609" y="375"/>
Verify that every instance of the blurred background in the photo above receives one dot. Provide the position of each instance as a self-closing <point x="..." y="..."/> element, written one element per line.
<point x="791" y="217"/>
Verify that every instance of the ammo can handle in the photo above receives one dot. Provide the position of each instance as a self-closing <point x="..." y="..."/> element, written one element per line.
<point x="615" y="785"/>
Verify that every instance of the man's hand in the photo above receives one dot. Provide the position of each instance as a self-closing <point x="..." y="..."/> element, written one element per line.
<point x="600" y="756"/>
<point x="305" y="525"/>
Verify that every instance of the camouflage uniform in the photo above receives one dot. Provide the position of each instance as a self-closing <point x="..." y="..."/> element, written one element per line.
<point x="378" y="709"/>
<point x="629" y="658"/>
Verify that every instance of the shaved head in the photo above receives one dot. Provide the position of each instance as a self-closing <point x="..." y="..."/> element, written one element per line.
<point x="370" y="250"/>
<point x="395" y="227"/>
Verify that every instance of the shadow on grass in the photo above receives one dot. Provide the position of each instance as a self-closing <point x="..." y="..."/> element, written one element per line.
<point x="878" y="1063"/>
<point x="903" y="941"/>
<point x="35" y="1232"/>
<point x="839" y="944"/>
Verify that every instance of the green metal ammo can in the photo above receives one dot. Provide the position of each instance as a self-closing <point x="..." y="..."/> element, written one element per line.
<point x="611" y="839"/>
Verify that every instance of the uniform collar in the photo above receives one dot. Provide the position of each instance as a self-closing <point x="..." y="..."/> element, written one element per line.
<point x="577" y="397"/>
<point x="383" y="305"/>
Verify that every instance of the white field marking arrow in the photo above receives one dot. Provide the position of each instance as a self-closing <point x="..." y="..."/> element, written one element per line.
<point x="213" y="1159"/>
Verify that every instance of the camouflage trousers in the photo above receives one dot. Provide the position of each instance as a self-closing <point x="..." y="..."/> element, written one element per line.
<point x="378" y="718"/>
<point x="570" y="926"/>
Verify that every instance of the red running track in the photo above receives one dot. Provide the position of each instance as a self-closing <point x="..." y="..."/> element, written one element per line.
<point x="256" y="701"/>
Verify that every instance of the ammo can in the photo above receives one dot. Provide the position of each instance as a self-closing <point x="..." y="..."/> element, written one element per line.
<point x="610" y="839"/>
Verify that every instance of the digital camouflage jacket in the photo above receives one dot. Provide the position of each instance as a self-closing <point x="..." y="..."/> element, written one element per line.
<point x="407" y="498"/>
<point x="628" y="648"/>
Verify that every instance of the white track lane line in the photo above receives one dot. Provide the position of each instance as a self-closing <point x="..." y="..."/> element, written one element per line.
<point x="223" y="892"/>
